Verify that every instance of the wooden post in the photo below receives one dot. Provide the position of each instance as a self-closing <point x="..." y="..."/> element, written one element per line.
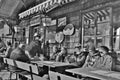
<point x="95" y="30"/>
<point x="111" y="29"/>
<point x="82" y="31"/>
<point x="13" y="37"/>
<point x="29" y="30"/>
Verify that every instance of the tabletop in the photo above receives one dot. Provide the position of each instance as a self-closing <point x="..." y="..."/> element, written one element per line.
<point x="95" y="73"/>
<point x="52" y="63"/>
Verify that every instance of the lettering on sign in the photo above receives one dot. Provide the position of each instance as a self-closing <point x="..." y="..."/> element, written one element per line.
<point x="62" y="21"/>
<point x="53" y="22"/>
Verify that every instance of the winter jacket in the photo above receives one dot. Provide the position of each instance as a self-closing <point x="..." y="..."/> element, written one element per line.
<point x="19" y="55"/>
<point x="81" y="58"/>
<point x="34" y="47"/>
<point x="90" y="60"/>
<point x="105" y="62"/>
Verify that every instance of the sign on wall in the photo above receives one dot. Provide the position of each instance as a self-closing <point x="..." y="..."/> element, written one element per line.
<point x="53" y="22"/>
<point x="35" y="21"/>
<point x="69" y="29"/>
<point x="62" y="21"/>
<point x="46" y="21"/>
<point x="59" y="37"/>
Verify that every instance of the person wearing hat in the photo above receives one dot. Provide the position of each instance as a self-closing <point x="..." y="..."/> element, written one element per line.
<point x="81" y="55"/>
<point x="92" y="57"/>
<point x="78" y="57"/>
<point x="105" y="62"/>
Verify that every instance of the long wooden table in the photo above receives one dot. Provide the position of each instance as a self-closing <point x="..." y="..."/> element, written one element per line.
<point x="54" y="66"/>
<point x="56" y="70"/>
<point x="52" y="63"/>
<point x="95" y="73"/>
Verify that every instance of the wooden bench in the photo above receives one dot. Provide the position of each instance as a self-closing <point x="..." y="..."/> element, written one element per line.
<point x="58" y="76"/>
<point x="32" y="70"/>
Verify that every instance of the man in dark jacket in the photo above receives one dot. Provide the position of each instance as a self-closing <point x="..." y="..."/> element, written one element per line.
<point x="19" y="54"/>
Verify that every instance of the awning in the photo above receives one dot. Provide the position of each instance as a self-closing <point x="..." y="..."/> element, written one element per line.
<point x="101" y="14"/>
<point x="44" y="7"/>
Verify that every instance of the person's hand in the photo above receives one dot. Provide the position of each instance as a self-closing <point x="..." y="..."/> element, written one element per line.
<point x="35" y="59"/>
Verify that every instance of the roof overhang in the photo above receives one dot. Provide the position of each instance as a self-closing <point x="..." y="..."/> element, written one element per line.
<point x="44" y="7"/>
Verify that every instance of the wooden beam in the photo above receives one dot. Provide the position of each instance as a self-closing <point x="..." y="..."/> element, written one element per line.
<point x="99" y="7"/>
<point x="23" y="2"/>
<point x="111" y="29"/>
<point x="9" y="18"/>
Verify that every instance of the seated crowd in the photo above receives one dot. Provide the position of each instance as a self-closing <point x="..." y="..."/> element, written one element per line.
<point x="100" y="59"/>
<point x="92" y="58"/>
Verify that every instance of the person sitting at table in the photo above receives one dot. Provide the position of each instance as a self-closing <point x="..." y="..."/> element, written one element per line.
<point x="7" y="54"/>
<point x="19" y="54"/>
<point x="104" y="62"/>
<point x="55" y="53"/>
<point x="34" y="48"/>
<point x="70" y="58"/>
<point x="61" y="55"/>
<point x="78" y="57"/>
<point x="81" y="58"/>
<point x="91" y="57"/>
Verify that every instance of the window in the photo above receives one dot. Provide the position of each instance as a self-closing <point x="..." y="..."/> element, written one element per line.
<point x="98" y="34"/>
